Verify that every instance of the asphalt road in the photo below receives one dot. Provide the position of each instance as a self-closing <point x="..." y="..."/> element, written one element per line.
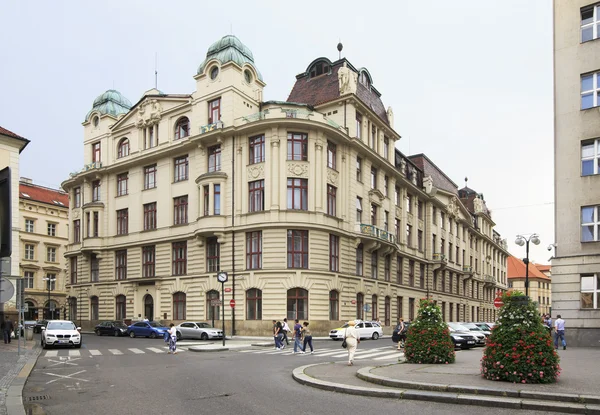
<point x="137" y="376"/>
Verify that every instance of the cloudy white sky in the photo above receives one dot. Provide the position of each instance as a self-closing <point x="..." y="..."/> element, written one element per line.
<point x="470" y="82"/>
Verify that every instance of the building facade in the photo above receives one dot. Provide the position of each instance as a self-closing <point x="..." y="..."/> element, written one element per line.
<point x="540" y="285"/>
<point x="576" y="263"/>
<point x="305" y="203"/>
<point x="44" y="230"/>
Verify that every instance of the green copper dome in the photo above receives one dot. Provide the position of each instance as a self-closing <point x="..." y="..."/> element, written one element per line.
<point x="111" y="102"/>
<point x="229" y="49"/>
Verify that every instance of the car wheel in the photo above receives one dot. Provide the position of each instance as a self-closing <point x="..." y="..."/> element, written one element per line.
<point x="204" y="336"/>
<point x="44" y="345"/>
<point x="375" y="336"/>
<point x="117" y="333"/>
<point x="131" y="334"/>
<point x="153" y="335"/>
<point x="179" y="336"/>
<point x="98" y="333"/>
<point x="78" y="346"/>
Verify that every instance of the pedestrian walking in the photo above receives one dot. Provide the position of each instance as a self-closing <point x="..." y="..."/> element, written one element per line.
<point x="172" y="339"/>
<point x="277" y="335"/>
<point x="559" y="326"/>
<point x="7" y="328"/>
<point x="307" y="335"/>
<point x="285" y="331"/>
<point x="352" y="340"/>
<point x="401" y="333"/>
<point x="297" y="336"/>
<point x="548" y="323"/>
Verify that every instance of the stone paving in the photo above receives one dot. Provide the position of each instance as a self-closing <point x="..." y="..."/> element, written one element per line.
<point x="11" y="364"/>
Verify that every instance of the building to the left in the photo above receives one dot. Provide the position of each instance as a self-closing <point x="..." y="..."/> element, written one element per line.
<point x="11" y="146"/>
<point x="44" y="219"/>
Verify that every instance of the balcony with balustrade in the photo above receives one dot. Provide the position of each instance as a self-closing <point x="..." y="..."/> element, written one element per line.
<point x="373" y="237"/>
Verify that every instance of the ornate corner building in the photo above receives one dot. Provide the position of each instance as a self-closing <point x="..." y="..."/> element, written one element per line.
<point x="306" y="204"/>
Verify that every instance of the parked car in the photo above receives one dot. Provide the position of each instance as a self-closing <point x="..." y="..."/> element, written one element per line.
<point x="396" y="332"/>
<point x="111" y="328"/>
<point x="479" y="336"/>
<point x="195" y="330"/>
<point x="150" y="329"/>
<point x="38" y="326"/>
<point x="462" y="340"/>
<point x="61" y="333"/>
<point x="476" y="328"/>
<point x="366" y="329"/>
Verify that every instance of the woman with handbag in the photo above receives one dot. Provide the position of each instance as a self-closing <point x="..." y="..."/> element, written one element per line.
<point x="351" y="338"/>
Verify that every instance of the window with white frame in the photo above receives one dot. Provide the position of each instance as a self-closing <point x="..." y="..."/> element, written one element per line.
<point x="51" y="254"/>
<point x="29" y="225"/>
<point x="590" y="22"/>
<point x="590" y="158"/>
<point x="29" y="251"/>
<point x="28" y="279"/>
<point x="590" y="219"/>
<point x="359" y="209"/>
<point x="52" y="229"/>
<point x="590" y="90"/>
<point x="590" y="291"/>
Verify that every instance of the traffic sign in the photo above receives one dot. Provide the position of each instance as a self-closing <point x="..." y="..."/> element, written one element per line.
<point x="232" y="303"/>
<point x="498" y="302"/>
<point x="353" y="302"/>
<point x="227" y="290"/>
<point x="367" y="307"/>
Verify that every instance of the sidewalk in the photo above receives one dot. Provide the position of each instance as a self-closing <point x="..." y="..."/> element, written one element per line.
<point x="576" y="391"/>
<point x="14" y="369"/>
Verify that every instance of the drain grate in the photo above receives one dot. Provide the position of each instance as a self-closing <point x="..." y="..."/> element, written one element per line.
<point x="36" y="398"/>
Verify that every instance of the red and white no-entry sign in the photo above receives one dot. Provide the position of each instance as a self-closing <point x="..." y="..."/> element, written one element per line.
<point x="497" y="302"/>
<point x="232" y="303"/>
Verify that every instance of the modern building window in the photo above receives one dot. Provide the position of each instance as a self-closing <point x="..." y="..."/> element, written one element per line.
<point x="297" y="304"/>
<point x="331" y="200"/>
<point x="254" y="304"/>
<point x="373" y="178"/>
<point x="214" y="111"/>
<point x="590" y="291"/>
<point x="77" y="231"/>
<point x="360" y="260"/>
<point x="217" y="199"/>
<point x="214" y="158"/>
<point x="297" y="146"/>
<point x="374" y="307"/>
<point x="72" y="269"/>
<point x="181" y="168"/>
<point x="123" y="148"/>
<point x="257" y="149"/>
<point x="590" y="221"/>
<point x="359" y="209"/>
<point x="206" y="199"/>
<point x="29" y="251"/>
<point x="96" y="156"/>
<point x="122" y="181"/>
<point x="94" y="268"/>
<point x="334" y="253"/>
<point x="51" y="254"/>
<point x="360" y="303"/>
<point x="387" y="265"/>
<point x="297" y="249"/>
<point x="359" y="169"/>
<point x="121" y="307"/>
<point x="386" y="148"/>
<point x="29" y="225"/>
<point x="179" y="305"/>
<point x="180" y="210"/>
<point x="150" y="216"/>
<point x="96" y="191"/>
<point x="122" y="221"/>
<point x="180" y="258"/>
<point x="590" y="157"/>
<point x="297" y="194"/>
<point x="52" y="229"/>
<point x="590" y="23"/>
<point x="150" y="173"/>
<point x="254" y="250"/>
<point x="331" y="155"/>
<point x="590" y="90"/>
<point x="148" y="261"/>
<point x="121" y="264"/>
<point x="334" y="305"/>
<point x="399" y="269"/>
<point x="256" y="196"/>
<point x="77" y="197"/>
<point x="182" y="128"/>
<point x="213" y="253"/>
<point x="94" y="308"/>
<point x="374" y="260"/>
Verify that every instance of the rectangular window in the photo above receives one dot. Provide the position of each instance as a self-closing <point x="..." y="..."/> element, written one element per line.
<point x="149" y="261"/>
<point x="590" y="158"/>
<point x="331" y="155"/>
<point x="411" y="273"/>
<point x="213" y="253"/>
<point x="400" y="302"/>
<point x="257" y="149"/>
<point x="150" y="173"/>
<point x="373" y="137"/>
<point x="297" y="194"/>
<point x="373" y="178"/>
<point x="373" y="214"/>
<point x="96" y="225"/>
<point x="52" y="229"/>
<point x="397" y="229"/>
<point x="297" y="146"/>
<point x="96" y="156"/>
<point x="420" y="209"/>
<point x="374" y="264"/>
<point x="28" y="277"/>
<point x="214" y="110"/>
<point x="50" y="282"/>
<point x="409" y="203"/>
<point x="331" y="200"/>
<point x="359" y="209"/>
<point x="51" y="254"/>
<point x="297" y="249"/>
<point x="121" y="264"/>
<point x="77" y="197"/>
<point x="420" y="240"/>
<point x="122" y="221"/>
<point x="359" y="260"/>
<point x="150" y="216"/>
<point x="179" y="258"/>
<point x="422" y="275"/>
<point x="409" y="236"/>
<point x="397" y="196"/>
<point x="256" y="196"/>
<point x="29" y="225"/>
<point x="214" y="158"/>
<point x="386" y="148"/>
<point x="387" y="267"/>
<point x="590" y="220"/>
<point x="385" y="186"/>
<point x="359" y="169"/>
<point x="443" y="220"/>
<point x="590" y="23"/>
<point x="254" y="250"/>
<point x="334" y="253"/>
<point x="206" y="199"/>
<point x="590" y="90"/>
<point x="434" y="215"/>
<point x="217" y="199"/>
<point x="399" y="269"/>
<point x="94" y="268"/>
<point x="96" y="191"/>
<point x="411" y="309"/>
<point x="122" y="181"/>
<point x="77" y="231"/>
<point x="181" y="168"/>
<point x="180" y="210"/>
<point x="358" y="125"/>
<point x="73" y="269"/>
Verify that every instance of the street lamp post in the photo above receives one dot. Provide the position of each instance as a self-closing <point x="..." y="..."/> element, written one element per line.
<point x="50" y="280"/>
<point x="522" y="240"/>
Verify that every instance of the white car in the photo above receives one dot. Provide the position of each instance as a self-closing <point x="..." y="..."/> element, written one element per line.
<point x="196" y="330"/>
<point x="366" y="329"/>
<point x="61" y="333"/>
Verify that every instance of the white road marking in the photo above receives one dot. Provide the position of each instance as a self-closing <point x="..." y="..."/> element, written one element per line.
<point x="74" y="353"/>
<point x="51" y="353"/>
<point x="115" y="351"/>
<point x="137" y="351"/>
<point x="155" y="349"/>
<point x="95" y="352"/>
<point x="64" y="360"/>
<point x="70" y="377"/>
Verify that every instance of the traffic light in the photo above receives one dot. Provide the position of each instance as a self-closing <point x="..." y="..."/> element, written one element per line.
<point x="5" y="214"/>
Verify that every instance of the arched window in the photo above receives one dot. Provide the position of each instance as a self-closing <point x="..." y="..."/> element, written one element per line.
<point x="319" y="68"/>
<point x="374" y="314"/>
<point x="94" y="306"/>
<point x="364" y="79"/>
<point x="334" y="305"/>
<point x="387" y="311"/>
<point x="182" y="128"/>
<point x="297" y="304"/>
<point x="123" y="149"/>
<point x="31" y="313"/>
<point x="121" y="307"/>
<point x="254" y="304"/>
<point x="212" y="309"/>
<point x="179" y="306"/>
<point x="360" y="303"/>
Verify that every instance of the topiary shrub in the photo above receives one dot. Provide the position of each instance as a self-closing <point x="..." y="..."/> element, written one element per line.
<point x="520" y="348"/>
<point x="428" y="338"/>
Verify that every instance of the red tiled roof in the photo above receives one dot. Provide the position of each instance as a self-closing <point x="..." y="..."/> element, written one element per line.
<point x="4" y="131"/>
<point x="43" y="195"/>
<point x="543" y="268"/>
<point x="516" y="269"/>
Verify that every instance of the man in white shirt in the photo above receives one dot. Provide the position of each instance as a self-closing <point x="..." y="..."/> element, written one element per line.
<point x="559" y="326"/>
<point x="286" y="329"/>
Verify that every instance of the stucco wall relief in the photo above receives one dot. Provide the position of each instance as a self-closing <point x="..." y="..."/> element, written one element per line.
<point x="332" y="177"/>
<point x="256" y="171"/>
<point x="298" y="169"/>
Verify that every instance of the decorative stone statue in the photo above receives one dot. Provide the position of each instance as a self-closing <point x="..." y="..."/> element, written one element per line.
<point x="478" y="204"/>
<point x="390" y="116"/>
<point x="347" y="79"/>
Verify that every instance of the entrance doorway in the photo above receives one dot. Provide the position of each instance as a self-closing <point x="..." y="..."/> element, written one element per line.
<point x="148" y="307"/>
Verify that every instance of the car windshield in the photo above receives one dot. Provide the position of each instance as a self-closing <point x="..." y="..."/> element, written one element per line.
<point x="60" y="325"/>
<point x="203" y="325"/>
<point x="472" y="326"/>
<point x="483" y="327"/>
<point x="458" y="327"/>
<point x="155" y="324"/>
<point x="119" y="324"/>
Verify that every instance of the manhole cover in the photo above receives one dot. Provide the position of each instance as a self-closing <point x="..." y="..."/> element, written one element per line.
<point x="36" y="398"/>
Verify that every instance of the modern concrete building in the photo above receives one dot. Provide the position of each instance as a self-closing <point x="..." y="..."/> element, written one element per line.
<point x="576" y="264"/>
<point x="44" y="230"/>
<point x="305" y="203"/>
<point x="540" y="285"/>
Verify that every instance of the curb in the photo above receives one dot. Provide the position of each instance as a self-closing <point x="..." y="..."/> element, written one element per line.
<point x="523" y="402"/>
<point x="198" y="349"/>
<point x="14" y="395"/>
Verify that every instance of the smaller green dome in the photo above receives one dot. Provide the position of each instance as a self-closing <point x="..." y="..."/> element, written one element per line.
<point x="229" y="49"/>
<point x="111" y="102"/>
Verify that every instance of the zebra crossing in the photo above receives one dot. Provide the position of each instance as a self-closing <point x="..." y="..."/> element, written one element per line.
<point x="379" y="354"/>
<point x="109" y="352"/>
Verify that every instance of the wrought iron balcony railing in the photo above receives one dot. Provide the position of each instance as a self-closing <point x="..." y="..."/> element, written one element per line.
<point x="374" y="231"/>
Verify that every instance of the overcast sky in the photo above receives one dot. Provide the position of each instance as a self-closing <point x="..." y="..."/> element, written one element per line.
<point x="470" y="82"/>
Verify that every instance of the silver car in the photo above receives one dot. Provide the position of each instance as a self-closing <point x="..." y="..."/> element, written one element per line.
<point x="193" y="330"/>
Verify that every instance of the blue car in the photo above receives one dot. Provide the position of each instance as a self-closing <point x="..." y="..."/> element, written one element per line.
<point x="150" y="329"/>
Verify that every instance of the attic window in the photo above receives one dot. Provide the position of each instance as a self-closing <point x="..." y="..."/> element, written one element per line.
<point x="364" y="79"/>
<point x="56" y="202"/>
<point x="25" y="195"/>
<point x="96" y="120"/>
<point x="319" y="68"/>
